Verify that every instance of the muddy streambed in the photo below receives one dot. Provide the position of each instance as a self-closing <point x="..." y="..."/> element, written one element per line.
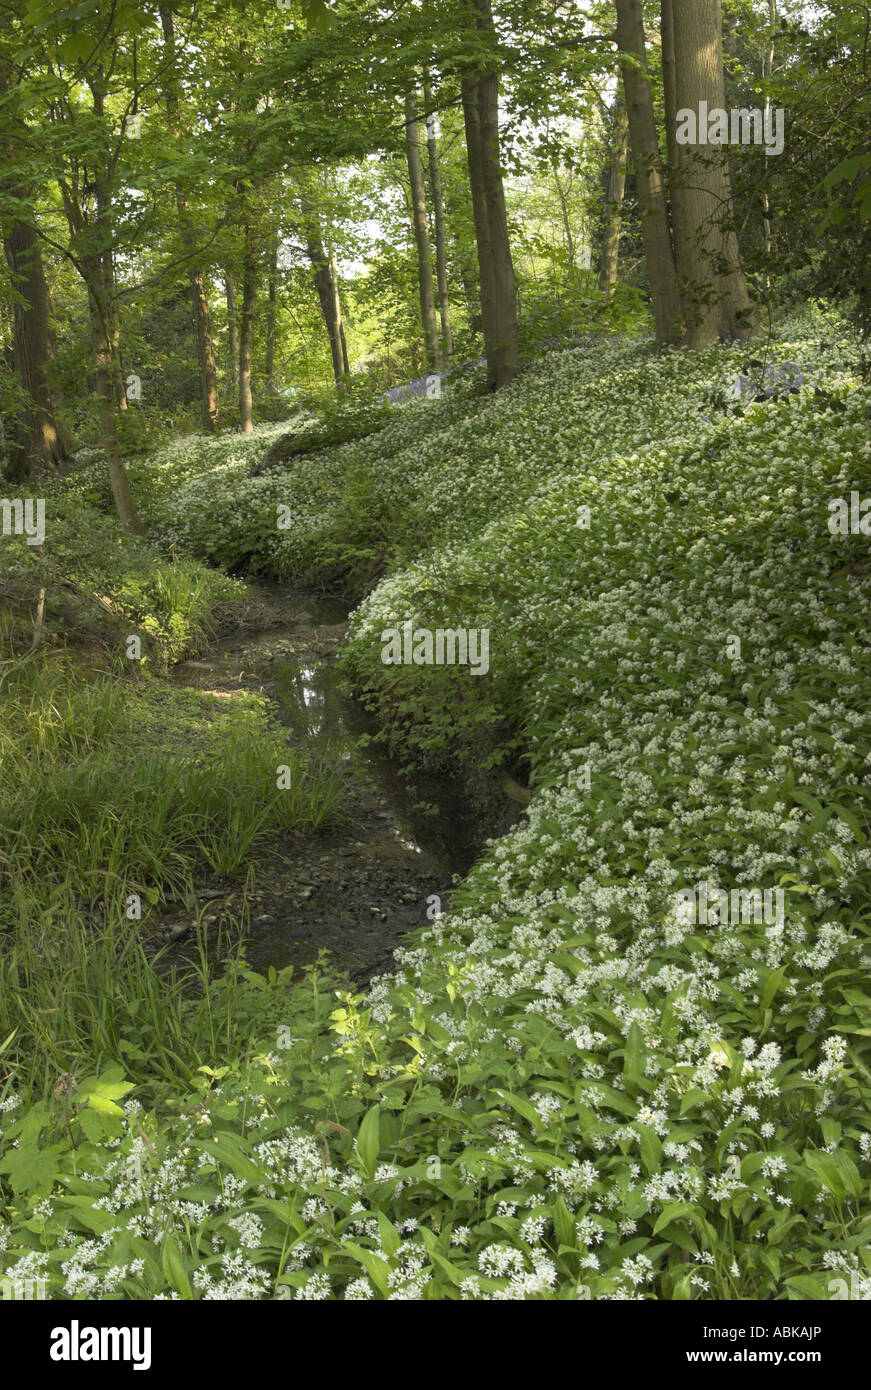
<point x="359" y="887"/>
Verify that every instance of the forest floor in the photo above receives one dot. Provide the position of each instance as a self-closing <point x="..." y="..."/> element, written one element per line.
<point x="602" y="1071"/>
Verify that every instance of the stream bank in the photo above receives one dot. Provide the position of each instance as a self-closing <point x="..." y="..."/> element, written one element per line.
<point x="393" y="858"/>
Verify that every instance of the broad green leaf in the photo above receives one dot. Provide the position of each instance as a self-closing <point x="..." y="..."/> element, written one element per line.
<point x="173" y="1267"/>
<point x="368" y="1143"/>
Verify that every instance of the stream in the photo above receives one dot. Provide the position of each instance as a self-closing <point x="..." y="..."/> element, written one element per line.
<point x="358" y="888"/>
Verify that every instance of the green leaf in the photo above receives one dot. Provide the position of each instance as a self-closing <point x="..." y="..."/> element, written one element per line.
<point x="92" y="1125"/>
<point x="317" y="15"/>
<point x="174" y="1267"/>
<point x="691" y="1099"/>
<point x="809" y="1288"/>
<point x="522" y="1107"/>
<point x="377" y="1269"/>
<point x="847" y="169"/>
<point x="390" y="1237"/>
<point x="455" y="1275"/>
<point x="563" y="1224"/>
<point x="227" y="1148"/>
<point x="101" y="1092"/>
<point x="836" y="1171"/>
<point x="633" y="1058"/>
<point x="92" y="1218"/>
<point x="103" y="1105"/>
<point x="75" y="48"/>
<point x="651" y="1148"/>
<point x="30" y="1169"/>
<point x="369" y="1140"/>
<point x="772" y="985"/>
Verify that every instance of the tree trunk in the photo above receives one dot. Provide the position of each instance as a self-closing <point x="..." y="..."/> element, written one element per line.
<point x="609" y="257"/>
<point x="101" y="275"/>
<point x="670" y="107"/>
<point x="676" y="174"/>
<point x="327" y="298"/>
<point x="334" y="277"/>
<point x="100" y="292"/>
<point x="108" y="303"/>
<point x="486" y="277"/>
<point x="272" y="294"/>
<point x="421" y="233"/>
<point x="438" y="213"/>
<point x="767" y="70"/>
<point x="205" y="351"/>
<point x="98" y="272"/>
<point x="480" y="95"/>
<point x="505" y="342"/>
<point x="564" y="214"/>
<point x="246" y="336"/>
<point x="716" y="298"/>
<point x="232" y="330"/>
<point x="35" y="435"/>
<point x="196" y="280"/>
<point x="644" y="144"/>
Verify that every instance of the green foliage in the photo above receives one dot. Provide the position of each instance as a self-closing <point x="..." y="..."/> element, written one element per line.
<point x="568" y="1088"/>
<point x="91" y="805"/>
<point x="113" y="782"/>
<point x="334" y="417"/>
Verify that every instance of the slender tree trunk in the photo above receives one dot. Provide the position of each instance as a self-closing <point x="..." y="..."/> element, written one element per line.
<point x="644" y="144"/>
<point x="58" y="396"/>
<point x="564" y="214"/>
<point x="97" y="271"/>
<point x="35" y="435"/>
<point x="246" y="335"/>
<point x="118" y="382"/>
<point x="324" y="275"/>
<point x="486" y="276"/>
<point x="677" y="170"/>
<point x="716" y="298"/>
<point x="337" y="302"/>
<point x="196" y="279"/>
<point x="101" y="278"/>
<point x="467" y="269"/>
<point x="421" y="233"/>
<point x="767" y="70"/>
<point x="676" y="173"/>
<point x="107" y="295"/>
<point x="609" y="257"/>
<point x="438" y="213"/>
<point x="232" y="330"/>
<point x="480" y="96"/>
<point x="100" y="292"/>
<point x="325" y="284"/>
<point x="272" y="294"/>
<point x="205" y="351"/>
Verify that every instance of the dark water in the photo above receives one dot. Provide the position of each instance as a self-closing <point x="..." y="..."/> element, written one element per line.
<point x="359" y="888"/>
<point x="429" y="814"/>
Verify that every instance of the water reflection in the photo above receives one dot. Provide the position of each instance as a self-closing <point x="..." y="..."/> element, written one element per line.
<point x="426" y="815"/>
